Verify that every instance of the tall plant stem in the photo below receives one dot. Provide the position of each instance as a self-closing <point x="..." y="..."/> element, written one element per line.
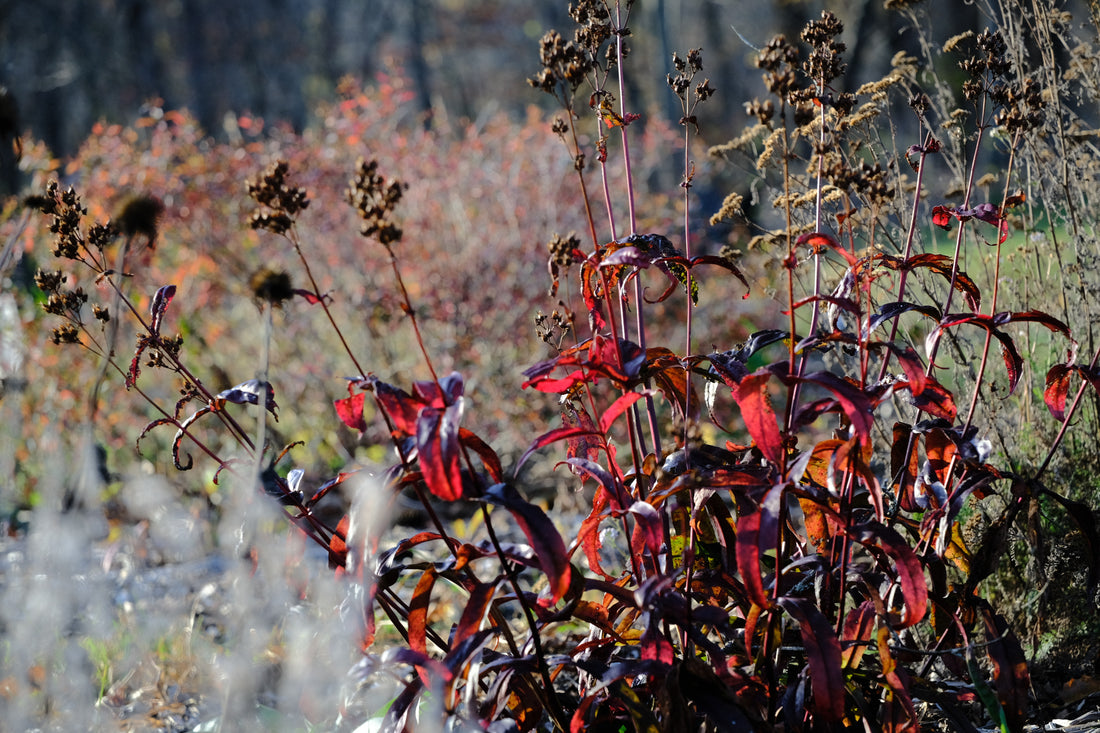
<point x="996" y="291"/>
<point x="261" y="401"/>
<point x="910" y="236"/>
<point x="407" y="307"/>
<point x="328" y="313"/>
<point x="555" y="709"/>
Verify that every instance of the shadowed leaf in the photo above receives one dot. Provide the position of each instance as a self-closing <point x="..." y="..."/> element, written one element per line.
<point x="822" y="657"/>
<point x="1010" y="676"/>
<point x="541" y="533"/>
<point x="757" y="533"/>
<point x="910" y="573"/>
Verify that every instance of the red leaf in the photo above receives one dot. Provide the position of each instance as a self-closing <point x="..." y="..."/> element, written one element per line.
<point x="820" y="241"/>
<point x="603" y="477"/>
<point x="439" y="394"/>
<point x="914" y="370"/>
<point x="935" y="400"/>
<point x="855" y="404"/>
<point x="311" y="297"/>
<point x="941" y="217"/>
<point x="822" y="657"/>
<point x="889" y="311"/>
<point x="589" y="276"/>
<point x="1014" y="363"/>
<point x="489" y="457"/>
<point x="722" y="262"/>
<point x="655" y="647"/>
<point x="1010" y="675"/>
<point x="418" y="611"/>
<point x="557" y="386"/>
<point x="541" y="534"/>
<point x="350" y="411"/>
<point x="481" y="594"/>
<point x="553" y="436"/>
<point x="337" y="544"/>
<point x="751" y="396"/>
<point x="899" y="713"/>
<point x="650" y="523"/>
<point x="438" y="447"/>
<point x="401" y="408"/>
<point x="942" y="265"/>
<point x="858" y="625"/>
<point x="906" y="563"/>
<point x="588" y="536"/>
<point x="904" y="475"/>
<point x="756" y="536"/>
<point x="669" y="375"/>
<point x="160" y="303"/>
<point x="617" y="408"/>
<point x="1057" y="389"/>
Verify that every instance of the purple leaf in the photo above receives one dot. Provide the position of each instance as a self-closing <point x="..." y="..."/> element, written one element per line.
<point x="161" y="300"/>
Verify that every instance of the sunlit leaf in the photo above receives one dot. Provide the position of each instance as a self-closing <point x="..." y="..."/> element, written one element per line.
<point x="751" y="395"/>
<point x="438" y="447"/>
<point x="161" y="299"/>
<point x="757" y="534"/>
<point x="350" y="411"/>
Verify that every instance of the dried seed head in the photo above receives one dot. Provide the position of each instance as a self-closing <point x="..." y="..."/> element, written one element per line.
<point x="49" y="282"/>
<point x="763" y="111"/>
<point x="375" y="198"/>
<point x="825" y="62"/>
<point x="101" y="235"/>
<point x="703" y="91"/>
<point x="66" y="333"/>
<point x="561" y="249"/>
<point x="282" y="201"/>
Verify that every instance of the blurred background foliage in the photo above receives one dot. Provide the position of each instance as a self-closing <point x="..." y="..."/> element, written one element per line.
<point x="70" y="64"/>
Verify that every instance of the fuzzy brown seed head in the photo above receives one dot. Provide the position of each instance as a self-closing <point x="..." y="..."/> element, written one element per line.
<point x="140" y="216"/>
<point x="271" y="286"/>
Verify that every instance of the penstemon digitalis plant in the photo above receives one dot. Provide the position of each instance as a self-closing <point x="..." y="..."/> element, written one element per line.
<point x="809" y="573"/>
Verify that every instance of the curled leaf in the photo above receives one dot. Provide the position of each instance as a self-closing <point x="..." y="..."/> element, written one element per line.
<point x="350" y="411"/>
<point x="160" y="303"/>
<point x="249" y="393"/>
